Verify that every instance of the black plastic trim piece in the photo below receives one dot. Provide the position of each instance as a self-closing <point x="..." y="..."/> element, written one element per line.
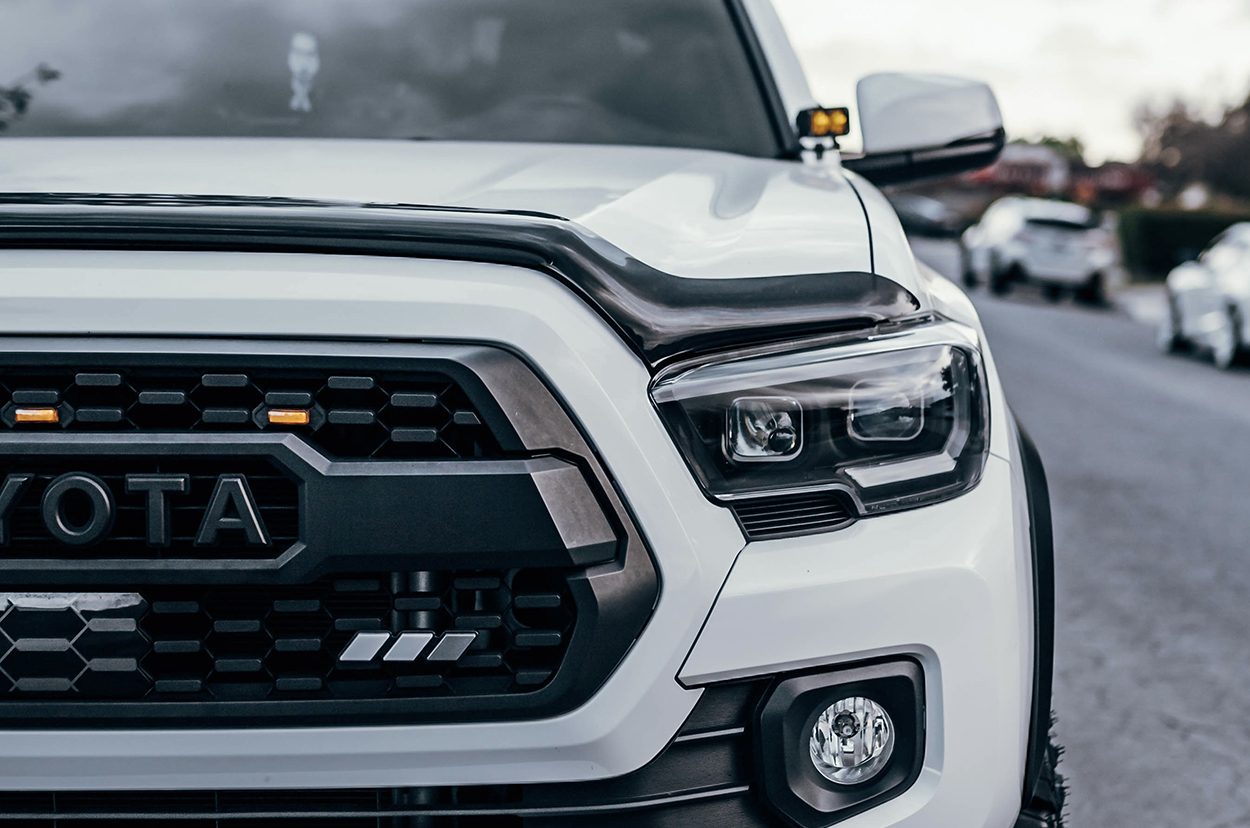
<point x="661" y="316"/>
<point x="1041" y="536"/>
<point x="356" y="516"/>
<point x="704" y="776"/>
<point x="634" y="810"/>
<point x="914" y="165"/>
<point x="614" y="592"/>
<point x="794" y="516"/>
<point x="790" y="781"/>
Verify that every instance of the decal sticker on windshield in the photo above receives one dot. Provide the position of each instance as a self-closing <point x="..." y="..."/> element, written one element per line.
<point x="304" y="61"/>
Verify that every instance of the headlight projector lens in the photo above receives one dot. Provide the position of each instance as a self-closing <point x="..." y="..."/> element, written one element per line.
<point x="763" y="429"/>
<point x="852" y="741"/>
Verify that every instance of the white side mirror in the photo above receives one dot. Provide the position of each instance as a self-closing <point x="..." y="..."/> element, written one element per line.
<point x="917" y="126"/>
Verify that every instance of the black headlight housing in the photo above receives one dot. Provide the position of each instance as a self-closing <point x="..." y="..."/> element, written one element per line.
<point x="893" y="421"/>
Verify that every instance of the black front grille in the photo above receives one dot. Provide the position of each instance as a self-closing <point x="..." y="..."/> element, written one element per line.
<point x="182" y="550"/>
<point x="706" y="776"/>
<point x="177" y="644"/>
<point x="375" y="414"/>
<point x="794" y="515"/>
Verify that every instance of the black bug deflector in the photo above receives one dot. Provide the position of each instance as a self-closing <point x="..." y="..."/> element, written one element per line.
<point x="661" y="316"/>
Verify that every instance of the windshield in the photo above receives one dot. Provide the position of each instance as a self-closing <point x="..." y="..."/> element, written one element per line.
<point x="648" y="72"/>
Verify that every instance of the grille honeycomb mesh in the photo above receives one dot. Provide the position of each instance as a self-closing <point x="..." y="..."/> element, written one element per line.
<point x="235" y="643"/>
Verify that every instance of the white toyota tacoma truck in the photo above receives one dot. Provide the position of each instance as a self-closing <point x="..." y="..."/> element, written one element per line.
<point x="473" y="413"/>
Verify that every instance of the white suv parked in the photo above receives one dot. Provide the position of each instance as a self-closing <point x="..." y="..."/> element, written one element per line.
<point x="481" y="412"/>
<point x="1060" y="246"/>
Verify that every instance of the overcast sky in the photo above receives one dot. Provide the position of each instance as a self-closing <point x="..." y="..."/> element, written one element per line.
<point x="1059" y="66"/>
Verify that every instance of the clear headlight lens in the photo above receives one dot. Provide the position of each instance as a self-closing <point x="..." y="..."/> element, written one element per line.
<point x="896" y="422"/>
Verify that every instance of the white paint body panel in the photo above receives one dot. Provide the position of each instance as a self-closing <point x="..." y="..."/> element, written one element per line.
<point x="322" y="297"/>
<point x="948" y="583"/>
<point x="901" y="111"/>
<point x="942" y="584"/>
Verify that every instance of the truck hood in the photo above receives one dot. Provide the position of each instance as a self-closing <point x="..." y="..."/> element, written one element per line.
<point x="685" y="212"/>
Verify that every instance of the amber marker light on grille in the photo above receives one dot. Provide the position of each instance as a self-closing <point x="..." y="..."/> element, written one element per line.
<point x="37" y="415"/>
<point x="289" y="416"/>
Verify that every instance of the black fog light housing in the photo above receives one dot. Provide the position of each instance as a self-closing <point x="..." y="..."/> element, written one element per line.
<point x="834" y="744"/>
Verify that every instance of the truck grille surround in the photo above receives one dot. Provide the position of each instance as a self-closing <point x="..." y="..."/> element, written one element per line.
<point x="436" y="542"/>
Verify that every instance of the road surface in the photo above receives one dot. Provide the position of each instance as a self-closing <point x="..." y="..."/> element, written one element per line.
<point x="1149" y="462"/>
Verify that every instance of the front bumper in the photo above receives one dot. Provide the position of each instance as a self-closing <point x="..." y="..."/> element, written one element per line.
<point x="941" y="584"/>
<point x="949" y="585"/>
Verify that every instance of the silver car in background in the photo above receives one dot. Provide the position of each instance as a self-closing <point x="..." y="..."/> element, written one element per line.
<point x="1207" y="300"/>
<point x="1062" y="247"/>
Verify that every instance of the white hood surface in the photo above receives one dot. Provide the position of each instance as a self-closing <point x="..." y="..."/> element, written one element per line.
<point x="686" y="212"/>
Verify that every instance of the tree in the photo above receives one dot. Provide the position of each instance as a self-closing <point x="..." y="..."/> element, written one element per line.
<point x="1182" y="148"/>
<point x="1071" y="147"/>
<point x="15" y="98"/>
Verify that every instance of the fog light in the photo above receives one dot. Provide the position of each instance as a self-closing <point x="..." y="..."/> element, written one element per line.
<point x="763" y="429"/>
<point x="852" y="741"/>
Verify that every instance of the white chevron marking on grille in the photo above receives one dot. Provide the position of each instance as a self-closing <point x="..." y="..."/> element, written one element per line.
<point x="408" y="646"/>
<point x="452" y="646"/>
<point x="365" y="646"/>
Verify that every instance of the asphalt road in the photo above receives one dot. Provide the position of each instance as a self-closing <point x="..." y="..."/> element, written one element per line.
<point x="1148" y="459"/>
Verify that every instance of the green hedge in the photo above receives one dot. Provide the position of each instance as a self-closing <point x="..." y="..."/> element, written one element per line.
<point x="1155" y="241"/>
